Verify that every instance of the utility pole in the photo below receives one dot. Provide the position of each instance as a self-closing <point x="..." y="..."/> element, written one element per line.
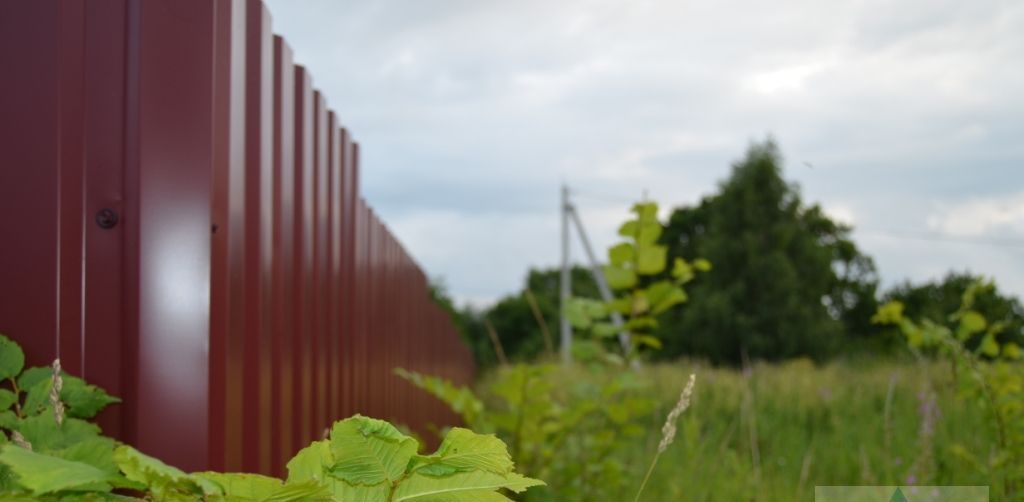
<point x="602" y="284"/>
<point x="566" y="285"/>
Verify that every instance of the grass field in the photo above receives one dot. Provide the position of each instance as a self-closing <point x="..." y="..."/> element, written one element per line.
<point x="775" y="431"/>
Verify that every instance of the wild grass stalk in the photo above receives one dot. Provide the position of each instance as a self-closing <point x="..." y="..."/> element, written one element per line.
<point x="668" y="431"/>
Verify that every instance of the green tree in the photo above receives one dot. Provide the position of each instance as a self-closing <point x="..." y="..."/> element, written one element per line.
<point x="513" y="320"/>
<point x="787" y="280"/>
<point x="934" y="300"/>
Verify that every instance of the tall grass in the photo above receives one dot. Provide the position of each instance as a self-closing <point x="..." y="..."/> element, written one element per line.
<point x="779" y="431"/>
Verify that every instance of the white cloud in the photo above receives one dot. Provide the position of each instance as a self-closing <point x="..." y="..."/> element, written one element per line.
<point x="997" y="217"/>
<point x="471" y="114"/>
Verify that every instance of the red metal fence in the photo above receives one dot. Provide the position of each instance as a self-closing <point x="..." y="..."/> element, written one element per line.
<point x="182" y="225"/>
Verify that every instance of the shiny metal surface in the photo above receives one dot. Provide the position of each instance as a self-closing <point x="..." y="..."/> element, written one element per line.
<point x="247" y="295"/>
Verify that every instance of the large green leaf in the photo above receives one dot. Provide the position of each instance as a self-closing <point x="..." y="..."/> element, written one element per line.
<point x="310" y="490"/>
<point x="47" y="474"/>
<point x="468" y="496"/>
<point x="32" y="376"/>
<point x="646" y="211"/>
<point x="423" y="488"/>
<point x="96" y="451"/>
<point x="989" y="346"/>
<point x="620" y="253"/>
<point x="619" y="277"/>
<point x="46" y="435"/>
<point x="648" y="233"/>
<point x="257" y="488"/>
<point x="971" y="322"/>
<point x="12" y="359"/>
<point x="84" y="400"/>
<point x="628" y="229"/>
<point x="368" y="451"/>
<point x="464" y="450"/>
<point x="239" y="485"/>
<point x="664" y="295"/>
<point x="164" y="481"/>
<point x="343" y="492"/>
<point x="311" y="462"/>
<point x="651" y="259"/>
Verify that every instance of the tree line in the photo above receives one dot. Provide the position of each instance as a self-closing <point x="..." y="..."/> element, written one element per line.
<point x="787" y="281"/>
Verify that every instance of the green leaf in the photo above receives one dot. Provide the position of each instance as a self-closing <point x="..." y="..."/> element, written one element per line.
<point x="648" y="233"/>
<point x="1011" y="351"/>
<point x="311" y="462"/>
<point x="648" y="340"/>
<point x="7" y="398"/>
<point x="32" y="376"/>
<point x="702" y="265"/>
<point x="890" y="313"/>
<point x="12" y="359"/>
<point x="619" y="278"/>
<point x="84" y="400"/>
<point x="45" y="435"/>
<point x="972" y="322"/>
<point x="460" y="399"/>
<point x="8" y="420"/>
<point x="640" y="303"/>
<point x="368" y="451"/>
<point x="422" y="488"/>
<point x="37" y="397"/>
<point x="663" y="295"/>
<point x="640" y="323"/>
<point x="163" y="480"/>
<point x="620" y="253"/>
<point x="344" y="492"/>
<point x="681" y="271"/>
<point x="464" y="450"/>
<point x="255" y="487"/>
<point x="651" y="259"/>
<point x="576" y="313"/>
<point x="309" y="490"/>
<point x="605" y="329"/>
<point x="234" y="484"/>
<point x="989" y="346"/>
<point x="646" y="211"/>
<point x="628" y="229"/>
<point x="46" y="474"/>
<point x="468" y="496"/>
<point x="96" y="451"/>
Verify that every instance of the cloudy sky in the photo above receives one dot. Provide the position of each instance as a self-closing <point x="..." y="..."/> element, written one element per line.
<point x="904" y="118"/>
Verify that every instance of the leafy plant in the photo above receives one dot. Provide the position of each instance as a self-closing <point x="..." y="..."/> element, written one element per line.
<point x="989" y="374"/>
<point x="48" y="451"/>
<point x="563" y="426"/>
<point x="631" y="272"/>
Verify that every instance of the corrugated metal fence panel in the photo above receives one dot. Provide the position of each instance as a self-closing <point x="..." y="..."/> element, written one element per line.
<point x="247" y="295"/>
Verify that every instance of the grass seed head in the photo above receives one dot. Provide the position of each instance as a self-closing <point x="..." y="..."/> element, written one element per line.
<point x="58" y="384"/>
<point x="668" y="431"/>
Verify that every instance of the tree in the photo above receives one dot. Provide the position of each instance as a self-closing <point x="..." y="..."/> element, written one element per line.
<point x="513" y="319"/>
<point x="934" y="300"/>
<point x="787" y="280"/>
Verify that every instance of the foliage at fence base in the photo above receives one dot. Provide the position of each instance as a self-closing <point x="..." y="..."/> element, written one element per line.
<point x="48" y="451"/>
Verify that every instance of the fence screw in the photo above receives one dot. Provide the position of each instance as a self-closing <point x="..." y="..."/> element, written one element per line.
<point x="107" y="218"/>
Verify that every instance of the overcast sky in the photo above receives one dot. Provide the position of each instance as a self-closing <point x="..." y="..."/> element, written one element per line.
<point x="904" y="118"/>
